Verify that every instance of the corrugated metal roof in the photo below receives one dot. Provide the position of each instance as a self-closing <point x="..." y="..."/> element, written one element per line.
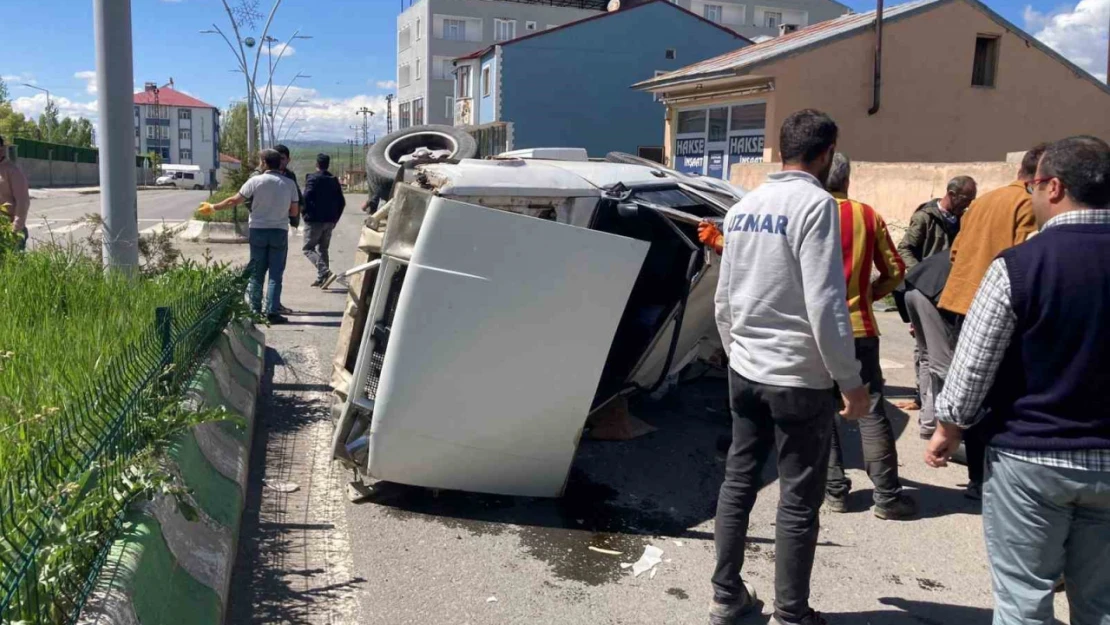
<point x="786" y="44"/>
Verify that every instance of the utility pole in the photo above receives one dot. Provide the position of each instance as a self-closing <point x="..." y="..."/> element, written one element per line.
<point x="114" y="79"/>
<point x="366" y="114"/>
<point x="389" y="113"/>
<point x="351" y="155"/>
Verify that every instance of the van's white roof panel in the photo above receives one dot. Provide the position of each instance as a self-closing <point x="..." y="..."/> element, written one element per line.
<point x="535" y="178"/>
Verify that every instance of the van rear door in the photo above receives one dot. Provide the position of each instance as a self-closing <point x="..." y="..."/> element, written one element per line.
<point x="501" y="329"/>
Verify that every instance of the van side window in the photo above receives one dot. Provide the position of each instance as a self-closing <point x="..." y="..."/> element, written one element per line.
<point x="189" y="176"/>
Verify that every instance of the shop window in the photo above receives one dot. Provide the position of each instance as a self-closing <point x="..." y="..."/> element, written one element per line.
<point x="749" y="117"/>
<point x="718" y="124"/>
<point x="670" y="54"/>
<point x="691" y="121"/>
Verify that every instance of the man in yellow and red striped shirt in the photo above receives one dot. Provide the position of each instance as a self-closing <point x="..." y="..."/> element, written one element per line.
<point x="865" y="244"/>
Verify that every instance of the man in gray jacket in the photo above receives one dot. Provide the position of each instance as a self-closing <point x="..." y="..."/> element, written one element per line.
<point x="783" y="318"/>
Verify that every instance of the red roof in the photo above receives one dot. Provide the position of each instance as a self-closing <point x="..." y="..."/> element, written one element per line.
<point x="224" y="158"/>
<point x="167" y="96"/>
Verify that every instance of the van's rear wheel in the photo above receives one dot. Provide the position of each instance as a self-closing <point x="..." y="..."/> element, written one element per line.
<point x="197" y="187"/>
<point x="391" y="151"/>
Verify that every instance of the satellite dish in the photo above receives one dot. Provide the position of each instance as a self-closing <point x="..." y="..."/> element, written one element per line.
<point x="614" y="5"/>
<point x="249" y="42"/>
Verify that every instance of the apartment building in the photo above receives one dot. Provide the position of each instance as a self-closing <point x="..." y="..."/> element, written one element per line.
<point x="760" y="20"/>
<point x="180" y="128"/>
<point x="431" y="34"/>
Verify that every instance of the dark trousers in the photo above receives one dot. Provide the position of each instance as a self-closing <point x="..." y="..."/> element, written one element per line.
<point x="797" y="423"/>
<point x="880" y="457"/>
<point x="317" y="243"/>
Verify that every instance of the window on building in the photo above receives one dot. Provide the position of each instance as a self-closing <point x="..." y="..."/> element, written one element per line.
<point x="485" y="82"/>
<point x="718" y="124"/>
<point x="185" y="134"/>
<point x="157" y="132"/>
<point x="165" y="152"/>
<point x="655" y="96"/>
<point x="749" y="117"/>
<point x="651" y="153"/>
<point x="404" y="75"/>
<point x="136" y="111"/>
<point x="985" y="69"/>
<point x="712" y="12"/>
<point x="462" y="82"/>
<point x="504" y="30"/>
<point x="158" y="111"/>
<point x="418" y="73"/>
<point x="529" y="26"/>
<point x="454" y="30"/>
<point x="418" y="112"/>
<point x="404" y="115"/>
<point x="418" y="29"/>
<point x="772" y="19"/>
<point x="691" y="121"/>
<point x="404" y="37"/>
<point x="184" y="114"/>
<point x="187" y="155"/>
<point x="448" y="68"/>
<point x="449" y="108"/>
<point x="670" y="54"/>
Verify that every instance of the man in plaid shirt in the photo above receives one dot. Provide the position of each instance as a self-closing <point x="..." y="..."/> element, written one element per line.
<point x="1038" y="325"/>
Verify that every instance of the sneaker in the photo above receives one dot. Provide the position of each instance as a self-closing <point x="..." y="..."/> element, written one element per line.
<point x="813" y="618"/>
<point x="900" y="509"/>
<point x="285" y="310"/>
<point x="276" y="319"/>
<point x="926" y="434"/>
<point x="319" y="281"/>
<point x="728" y="613"/>
<point x="328" y="279"/>
<point x="836" y="503"/>
<point x="974" y="491"/>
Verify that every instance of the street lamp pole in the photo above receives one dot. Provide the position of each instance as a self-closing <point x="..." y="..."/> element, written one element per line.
<point x="46" y="91"/>
<point x="114" y="78"/>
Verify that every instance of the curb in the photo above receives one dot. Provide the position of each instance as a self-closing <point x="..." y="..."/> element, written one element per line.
<point x="213" y="232"/>
<point x="168" y="569"/>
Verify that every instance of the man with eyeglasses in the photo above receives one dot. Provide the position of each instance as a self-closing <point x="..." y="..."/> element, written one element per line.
<point x="995" y="222"/>
<point x="1032" y="373"/>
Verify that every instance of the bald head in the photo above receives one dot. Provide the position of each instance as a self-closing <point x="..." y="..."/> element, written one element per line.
<point x="959" y="194"/>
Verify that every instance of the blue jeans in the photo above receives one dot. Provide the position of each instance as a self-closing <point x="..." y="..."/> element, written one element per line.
<point x="269" y="250"/>
<point x="1041" y="522"/>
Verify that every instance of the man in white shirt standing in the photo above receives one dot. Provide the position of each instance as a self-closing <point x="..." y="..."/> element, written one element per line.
<point x="782" y="313"/>
<point x="274" y="207"/>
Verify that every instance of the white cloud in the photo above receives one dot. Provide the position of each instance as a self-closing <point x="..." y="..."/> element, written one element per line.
<point x="89" y="77"/>
<point x="386" y="84"/>
<point x="16" y="79"/>
<point x="1080" y="34"/>
<point x="329" y="119"/>
<point x="33" y="106"/>
<point x="277" y="48"/>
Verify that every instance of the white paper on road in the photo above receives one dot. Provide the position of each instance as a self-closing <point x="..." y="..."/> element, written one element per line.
<point x="652" y="555"/>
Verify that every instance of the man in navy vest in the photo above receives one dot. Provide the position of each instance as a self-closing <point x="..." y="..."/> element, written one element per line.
<point x="1040" y="326"/>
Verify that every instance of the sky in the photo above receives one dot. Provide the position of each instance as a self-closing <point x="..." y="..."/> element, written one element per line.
<point x="350" y="55"/>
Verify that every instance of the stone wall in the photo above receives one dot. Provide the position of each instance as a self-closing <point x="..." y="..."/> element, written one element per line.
<point x="42" y="173"/>
<point x="896" y="189"/>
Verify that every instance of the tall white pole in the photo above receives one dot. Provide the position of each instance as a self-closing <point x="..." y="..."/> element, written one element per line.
<point x="114" y="81"/>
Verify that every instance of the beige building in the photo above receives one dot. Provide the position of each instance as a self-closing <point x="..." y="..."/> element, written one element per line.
<point x="958" y="83"/>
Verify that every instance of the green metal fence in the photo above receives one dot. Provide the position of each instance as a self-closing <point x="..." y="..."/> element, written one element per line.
<point x="61" y="508"/>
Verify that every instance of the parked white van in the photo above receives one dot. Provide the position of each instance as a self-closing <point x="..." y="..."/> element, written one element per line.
<point x="181" y="176"/>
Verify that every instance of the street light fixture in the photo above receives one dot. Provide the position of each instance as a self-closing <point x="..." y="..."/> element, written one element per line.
<point x="46" y="91"/>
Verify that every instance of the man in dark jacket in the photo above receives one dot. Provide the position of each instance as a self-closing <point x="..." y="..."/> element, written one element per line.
<point x="323" y="206"/>
<point x="935" y="223"/>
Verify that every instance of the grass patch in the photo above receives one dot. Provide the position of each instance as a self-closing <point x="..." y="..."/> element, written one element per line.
<point x="65" y="320"/>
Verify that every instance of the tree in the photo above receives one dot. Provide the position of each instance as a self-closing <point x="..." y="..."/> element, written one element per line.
<point x="233" y="135"/>
<point x="155" y="162"/>
<point x="48" y="123"/>
<point x="13" y="124"/>
<point x="3" y="91"/>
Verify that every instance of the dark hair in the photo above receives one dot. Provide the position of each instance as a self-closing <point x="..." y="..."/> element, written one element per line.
<point x="1083" y="164"/>
<point x="323" y="161"/>
<point x="806" y="135"/>
<point x="272" y="159"/>
<point x="839" y="173"/>
<point x="959" y="183"/>
<point x="281" y="149"/>
<point x="1030" y="160"/>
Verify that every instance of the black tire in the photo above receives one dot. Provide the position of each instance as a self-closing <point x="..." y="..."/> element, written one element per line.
<point x="197" y="187"/>
<point x="383" y="158"/>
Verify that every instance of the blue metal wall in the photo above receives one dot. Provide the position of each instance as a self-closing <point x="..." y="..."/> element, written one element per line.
<point x="571" y="87"/>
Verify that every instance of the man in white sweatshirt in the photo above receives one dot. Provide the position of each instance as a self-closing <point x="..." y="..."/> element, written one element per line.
<point x="783" y="318"/>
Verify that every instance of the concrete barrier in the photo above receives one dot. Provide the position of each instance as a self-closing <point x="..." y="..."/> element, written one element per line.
<point x="895" y="189"/>
<point x="214" y="232"/>
<point x="45" y="173"/>
<point x="173" y="562"/>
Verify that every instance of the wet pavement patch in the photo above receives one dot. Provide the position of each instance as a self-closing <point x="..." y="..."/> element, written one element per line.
<point x="678" y="592"/>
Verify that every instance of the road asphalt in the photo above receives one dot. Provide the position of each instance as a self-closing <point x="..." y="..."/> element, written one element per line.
<point x="58" y="214"/>
<point x="410" y="555"/>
